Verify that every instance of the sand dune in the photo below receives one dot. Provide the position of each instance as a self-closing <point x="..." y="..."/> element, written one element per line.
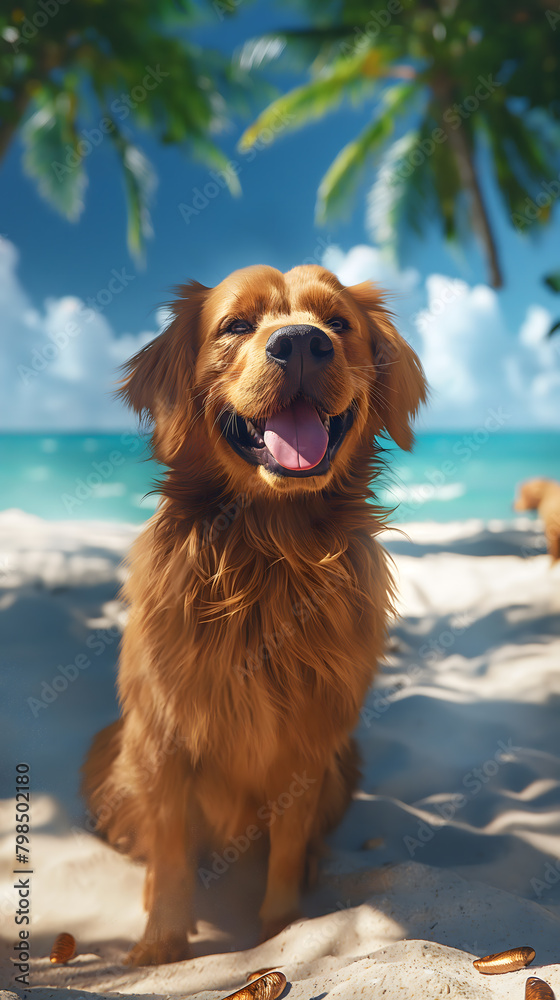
<point x="450" y="850"/>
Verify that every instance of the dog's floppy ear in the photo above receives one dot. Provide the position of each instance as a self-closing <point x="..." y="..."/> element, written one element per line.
<point x="160" y="374"/>
<point x="530" y="494"/>
<point x="400" y="386"/>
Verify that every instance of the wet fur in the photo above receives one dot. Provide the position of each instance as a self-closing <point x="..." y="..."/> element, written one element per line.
<point x="258" y="604"/>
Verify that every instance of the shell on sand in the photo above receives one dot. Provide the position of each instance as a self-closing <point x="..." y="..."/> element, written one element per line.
<point x="505" y="961"/>
<point x="537" y="989"/>
<point x="267" y="987"/>
<point x="259" y="973"/>
<point x="63" y="949"/>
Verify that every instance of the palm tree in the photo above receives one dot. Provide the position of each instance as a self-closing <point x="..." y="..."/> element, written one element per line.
<point x="445" y="80"/>
<point x="75" y="74"/>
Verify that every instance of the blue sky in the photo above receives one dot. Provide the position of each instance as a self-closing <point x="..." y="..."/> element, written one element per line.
<point x="272" y="222"/>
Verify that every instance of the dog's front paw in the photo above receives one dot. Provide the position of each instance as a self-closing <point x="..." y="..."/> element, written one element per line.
<point x="161" y="952"/>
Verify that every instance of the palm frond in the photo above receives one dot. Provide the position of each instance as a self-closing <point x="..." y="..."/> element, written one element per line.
<point x="51" y="152"/>
<point x="522" y="157"/>
<point x="530" y="147"/>
<point x="344" y="80"/>
<point x="207" y="152"/>
<point x="343" y="175"/>
<point x="418" y="181"/>
<point x="303" y="46"/>
<point x="140" y="183"/>
<point x="552" y="281"/>
<point x="387" y="197"/>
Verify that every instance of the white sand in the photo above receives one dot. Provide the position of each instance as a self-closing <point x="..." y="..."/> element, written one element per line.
<point x="460" y="795"/>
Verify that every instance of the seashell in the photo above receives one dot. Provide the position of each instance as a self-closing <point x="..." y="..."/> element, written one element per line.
<point x="505" y="961"/>
<point x="537" y="989"/>
<point x="258" y="974"/>
<point x="63" y="949"/>
<point x="267" y="987"/>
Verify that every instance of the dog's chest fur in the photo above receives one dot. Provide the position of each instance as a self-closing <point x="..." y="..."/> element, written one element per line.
<point x="252" y="627"/>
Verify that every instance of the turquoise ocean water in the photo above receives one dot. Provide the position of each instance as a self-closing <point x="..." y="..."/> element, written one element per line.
<point x="448" y="477"/>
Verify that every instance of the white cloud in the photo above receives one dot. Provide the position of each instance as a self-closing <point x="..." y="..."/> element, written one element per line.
<point x="367" y="263"/>
<point x="473" y="361"/>
<point x="51" y="379"/>
<point x="59" y="364"/>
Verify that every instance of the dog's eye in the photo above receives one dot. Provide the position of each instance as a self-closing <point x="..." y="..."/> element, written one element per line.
<point x="239" y="326"/>
<point x="338" y="323"/>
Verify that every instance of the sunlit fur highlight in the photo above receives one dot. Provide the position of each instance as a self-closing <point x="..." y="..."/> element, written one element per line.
<point x="250" y="646"/>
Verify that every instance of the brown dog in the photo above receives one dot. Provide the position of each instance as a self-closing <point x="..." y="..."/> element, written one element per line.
<point x="543" y="495"/>
<point x="258" y="594"/>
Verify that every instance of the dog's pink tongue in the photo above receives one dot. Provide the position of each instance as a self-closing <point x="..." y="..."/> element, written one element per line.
<point x="296" y="437"/>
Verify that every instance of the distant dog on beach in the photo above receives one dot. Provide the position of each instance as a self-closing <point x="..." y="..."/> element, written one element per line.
<point x="259" y="596"/>
<point x="543" y="495"/>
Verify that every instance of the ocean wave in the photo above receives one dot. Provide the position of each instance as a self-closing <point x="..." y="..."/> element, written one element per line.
<point x="418" y="493"/>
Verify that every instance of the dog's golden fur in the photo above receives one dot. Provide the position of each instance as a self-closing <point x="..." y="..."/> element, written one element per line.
<point x="543" y="495"/>
<point x="258" y="602"/>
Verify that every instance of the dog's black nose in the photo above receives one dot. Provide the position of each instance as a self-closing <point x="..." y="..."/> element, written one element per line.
<point x="299" y="350"/>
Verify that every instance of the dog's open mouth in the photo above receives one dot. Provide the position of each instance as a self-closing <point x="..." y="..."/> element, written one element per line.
<point x="300" y="440"/>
